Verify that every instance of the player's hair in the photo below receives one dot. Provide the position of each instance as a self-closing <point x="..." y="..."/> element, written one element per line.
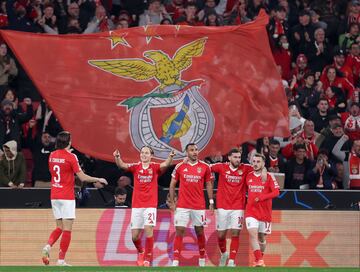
<point x="120" y="191"/>
<point x="151" y="150"/>
<point x="63" y="140"/>
<point x="234" y="150"/>
<point x="259" y="155"/>
<point x="189" y="144"/>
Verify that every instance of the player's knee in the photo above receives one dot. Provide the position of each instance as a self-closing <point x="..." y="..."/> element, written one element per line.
<point x="180" y="231"/>
<point x="221" y="235"/>
<point x="199" y="230"/>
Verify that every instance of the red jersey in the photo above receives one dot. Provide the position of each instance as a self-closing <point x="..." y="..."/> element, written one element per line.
<point x="63" y="165"/>
<point x="192" y="178"/>
<point x="354" y="170"/>
<point x="265" y="191"/>
<point x="341" y="82"/>
<point x="353" y="62"/>
<point x="231" y="186"/>
<point x="145" y="193"/>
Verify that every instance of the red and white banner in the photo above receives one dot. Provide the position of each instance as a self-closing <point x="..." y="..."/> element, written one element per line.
<point x="162" y="86"/>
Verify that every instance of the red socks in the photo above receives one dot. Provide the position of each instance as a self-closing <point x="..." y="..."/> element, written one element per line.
<point x="64" y="244"/>
<point x="201" y="243"/>
<point x="177" y="247"/>
<point x="138" y="245"/>
<point x="258" y="255"/>
<point x="54" y="236"/>
<point x="222" y="244"/>
<point x="149" y="244"/>
<point x="234" y="246"/>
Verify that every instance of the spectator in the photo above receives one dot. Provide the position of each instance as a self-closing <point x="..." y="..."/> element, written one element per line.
<point x="302" y="34"/>
<point x="254" y="7"/>
<point x="339" y="64"/>
<point x="322" y="173"/>
<point x="48" y="20"/>
<point x="175" y="9"/>
<point x="211" y="7"/>
<point x="277" y="25"/>
<point x="337" y="131"/>
<point x="282" y="56"/>
<point x="338" y="182"/>
<point x="10" y="94"/>
<point x="336" y="99"/>
<point x="311" y="149"/>
<point x="305" y="92"/>
<point x="319" y="52"/>
<point x="354" y="166"/>
<point x="347" y="39"/>
<point x="12" y="166"/>
<point x="332" y="77"/>
<point x="351" y="121"/>
<point x="354" y="12"/>
<point x="100" y="22"/>
<point x="309" y="133"/>
<point x="46" y="120"/>
<point x="315" y="20"/>
<point x="10" y="121"/>
<point x="40" y="147"/>
<point x="212" y="19"/>
<point x="154" y="14"/>
<point x="8" y="69"/>
<point x="122" y="24"/>
<point x="189" y="17"/>
<point x="321" y="116"/>
<point x="166" y="21"/>
<point x="296" y="169"/>
<point x="17" y="17"/>
<point x="73" y="27"/>
<point x="353" y="61"/>
<point x="299" y="71"/>
<point x="3" y="15"/>
<point x="124" y="182"/>
<point x="275" y="162"/>
<point x="238" y="14"/>
<point x="120" y="199"/>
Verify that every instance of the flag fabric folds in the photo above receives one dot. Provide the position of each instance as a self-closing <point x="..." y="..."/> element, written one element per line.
<point x="161" y="86"/>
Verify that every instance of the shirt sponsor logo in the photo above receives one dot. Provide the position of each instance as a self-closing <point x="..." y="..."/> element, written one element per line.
<point x="256" y="188"/>
<point x="192" y="178"/>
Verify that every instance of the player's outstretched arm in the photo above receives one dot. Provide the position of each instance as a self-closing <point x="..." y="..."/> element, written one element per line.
<point x="172" y="193"/>
<point x="168" y="161"/>
<point x="119" y="162"/>
<point x="86" y="178"/>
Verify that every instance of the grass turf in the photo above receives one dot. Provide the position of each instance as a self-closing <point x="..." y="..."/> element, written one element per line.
<point x="160" y="269"/>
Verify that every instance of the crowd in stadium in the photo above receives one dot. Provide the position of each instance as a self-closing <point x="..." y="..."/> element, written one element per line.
<point x="315" y="45"/>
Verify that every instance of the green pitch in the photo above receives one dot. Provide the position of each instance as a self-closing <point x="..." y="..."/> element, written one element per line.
<point x="161" y="269"/>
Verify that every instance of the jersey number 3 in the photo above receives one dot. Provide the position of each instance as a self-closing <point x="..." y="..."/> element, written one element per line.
<point x="56" y="168"/>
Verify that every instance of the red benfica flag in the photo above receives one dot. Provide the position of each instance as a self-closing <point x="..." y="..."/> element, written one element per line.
<point x="162" y="86"/>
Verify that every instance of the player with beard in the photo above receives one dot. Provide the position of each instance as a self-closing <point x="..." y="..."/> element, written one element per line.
<point x="259" y="207"/>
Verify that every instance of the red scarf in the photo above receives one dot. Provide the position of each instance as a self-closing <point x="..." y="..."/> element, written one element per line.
<point x="279" y="29"/>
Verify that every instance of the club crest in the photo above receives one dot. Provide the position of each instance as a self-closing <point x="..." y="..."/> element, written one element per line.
<point x="174" y="113"/>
